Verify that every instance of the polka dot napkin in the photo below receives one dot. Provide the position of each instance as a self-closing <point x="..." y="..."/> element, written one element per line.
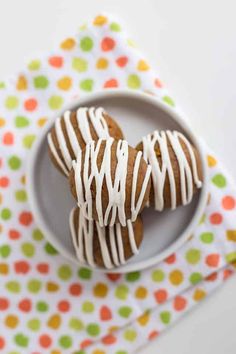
<point x="48" y="305"/>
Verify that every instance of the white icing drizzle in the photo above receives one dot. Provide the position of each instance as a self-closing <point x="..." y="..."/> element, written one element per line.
<point x="96" y="119"/>
<point x="159" y="173"/>
<point x="82" y="239"/>
<point x="116" y="190"/>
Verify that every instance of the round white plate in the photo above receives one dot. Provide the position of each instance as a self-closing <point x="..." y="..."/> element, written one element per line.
<point x="138" y="114"/>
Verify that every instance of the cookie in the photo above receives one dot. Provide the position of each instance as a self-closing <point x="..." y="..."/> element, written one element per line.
<point x="176" y="168"/>
<point x="110" y="181"/>
<point x="74" y="130"/>
<point x="109" y="246"/>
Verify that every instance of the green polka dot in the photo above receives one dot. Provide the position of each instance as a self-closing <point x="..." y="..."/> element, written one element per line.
<point x="21" y="340"/>
<point x="21" y="195"/>
<point x="125" y="311"/>
<point x="13" y="286"/>
<point x="28" y="141"/>
<point x="5" y="251"/>
<point x="193" y="256"/>
<point x="87" y="307"/>
<point x="64" y="272"/>
<point x="14" y="162"/>
<point x="42" y="306"/>
<point x="86" y="44"/>
<point x="133" y="81"/>
<point x="168" y="100"/>
<point x="55" y="102"/>
<point x="65" y="342"/>
<point x="79" y="64"/>
<point x="115" y="27"/>
<point x="165" y="317"/>
<point x="230" y="257"/>
<point x="50" y="249"/>
<point x="130" y="335"/>
<point x="195" y="278"/>
<point x="86" y="85"/>
<point x="6" y="214"/>
<point x="80" y="352"/>
<point x="2" y="85"/>
<point x="14" y="352"/>
<point x="34" y="65"/>
<point x="207" y="237"/>
<point x="158" y="275"/>
<point x="85" y="273"/>
<point x="21" y="122"/>
<point x="11" y="102"/>
<point x="133" y="276"/>
<point x="121" y="352"/>
<point x="28" y="249"/>
<point x="41" y="82"/>
<point x="122" y="292"/>
<point x="219" y="180"/>
<point x="34" y="286"/>
<point x="76" y="324"/>
<point x="34" y="324"/>
<point x="37" y="235"/>
<point x="93" y="329"/>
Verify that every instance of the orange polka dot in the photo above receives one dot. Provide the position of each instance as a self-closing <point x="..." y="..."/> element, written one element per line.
<point x="153" y="335"/>
<point x="158" y="83"/>
<point x="56" y="62"/>
<point x="109" y="339"/>
<point x="171" y="259"/>
<point x="14" y="234"/>
<point x="100" y="290"/>
<point x="64" y="306"/>
<point x="43" y="268"/>
<point x="113" y="329"/>
<point x="4" y="303"/>
<point x="25" y="305"/>
<point x="54" y="321"/>
<point x="212" y="277"/>
<point x="211" y="161"/>
<point x="100" y="20"/>
<point x="68" y="44"/>
<point x="85" y="343"/>
<point x="141" y="292"/>
<point x="216" y="218"/>
<point x="75" y="289"/>
<point x="8" y="138"/>
<point x="111" y="83"/>
<point x="4" y="182"/>
<point x="64" y="83"/>
<point x="1" y="226"/>
<point x="228" y="202"/>
<point x="2" y="122"/>
<point x="179" y="303"/>
<point x="25" y="218"/>
<point x="227" y="273"/>
<point x="102" y="63"/>
<point x="30" y="104"/>
<point x="160" y="296"/>
<point x="212" y="260"/>
<point x="176" y="277"/>
<point x="121" y="61"/>
<point x="45" y="341"/>
<point x="144" y="319"/>
<point x="4" y="269"/>
<point x="107" y="44"/>
<point x="11" y="321"/>
<point x="2" y="342"/>
<point x="199" y="294"/>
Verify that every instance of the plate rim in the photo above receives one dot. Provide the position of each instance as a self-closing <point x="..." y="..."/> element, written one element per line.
<point x="175" y="115"/>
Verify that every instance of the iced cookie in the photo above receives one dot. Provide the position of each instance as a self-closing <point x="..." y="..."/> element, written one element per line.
<point x="176" y="168"/>
<point x="109" y="246"/>
<point x="110" y="181"/>
<point x="74" y="130"/>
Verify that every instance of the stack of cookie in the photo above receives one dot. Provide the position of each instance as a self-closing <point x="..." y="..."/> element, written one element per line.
<point x="112" y="182"/>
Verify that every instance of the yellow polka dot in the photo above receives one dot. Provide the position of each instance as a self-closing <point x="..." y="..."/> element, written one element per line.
<point x="4" y="269"/>
<point x="68" y="44"/>
<point x="141" y="292"/>
<point x="113" y="329"/>
<point x="100" y="20"/>
<point x="23" y="179"/>
<point x="64" y="83"/>
<point x="42" y="121"/>
<point x="55" y="352"/>
<point x="176" y="277"/>
<point x="199" y="294"/>
<point x="102" y="63"/>
<point x="1" y="228"/>
<point x="100" y="290"/>
<point x="1" y="198"/>
<point x="2" y="122"/>
<point x="144" y="319"/>
<point x="54" y="321"/>
<point x="51" y="287"/>
<point x="211" y="161"/>
<point x="11" y="321"/>
<point x="97" y="351"/>
<point x="21" y="83"/>
<point x="143" y="66"/>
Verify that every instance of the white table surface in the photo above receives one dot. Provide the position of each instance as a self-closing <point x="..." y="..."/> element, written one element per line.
<point x="193" y="45"/>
